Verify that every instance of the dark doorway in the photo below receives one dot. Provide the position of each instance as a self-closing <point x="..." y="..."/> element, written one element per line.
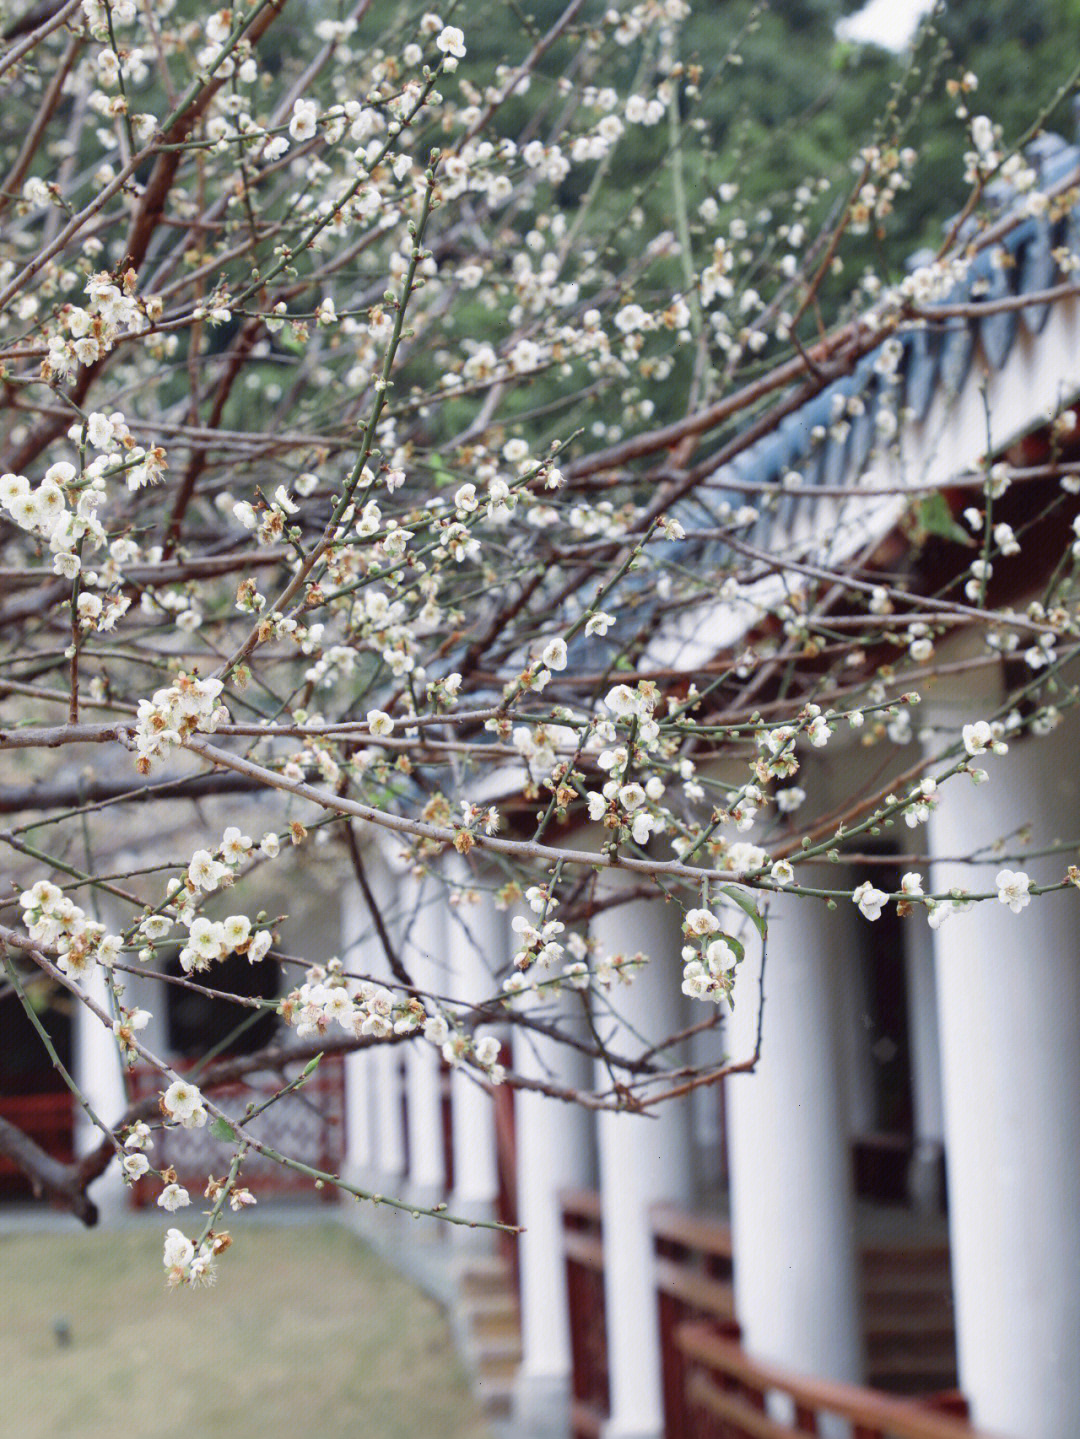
<point x="198" y="1022"/>
<point x="33" y="1096"/>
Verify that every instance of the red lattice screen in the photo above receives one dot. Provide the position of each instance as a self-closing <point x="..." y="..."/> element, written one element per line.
<point x="307" y="1125"/>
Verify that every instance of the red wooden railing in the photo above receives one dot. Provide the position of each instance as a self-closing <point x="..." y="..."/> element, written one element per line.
<point x="583" y="1247"/>
<point x="308" y="1126"/>
<point x="906" y="1300"/>
<point x="506" y="1198"/>
<point x="731" y="1396"/>
<point x="693" y="1282"/>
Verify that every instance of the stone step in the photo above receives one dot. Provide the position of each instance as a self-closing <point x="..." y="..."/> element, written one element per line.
<point x="936" y="1363"/>
<point x="497" y="1348"/>
<point x="888" y="1327"/>
<point x="885" y="1287"/>
<point x="488" y="1323"/>
<point x="481" y="1265"/>
<point x="497" y="1368"/>
<point x="495" y="1396"/>
<point x="503" y="1323"/>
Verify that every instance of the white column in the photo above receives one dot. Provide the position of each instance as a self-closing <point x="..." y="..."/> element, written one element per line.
<point x="796" y="1294"/>
<point x="389" y="1115"/>
<point x="422" y="953"/>
<point x="857" y="1060"/>
<point x="388" y="1134"/>
<point x="359" y="945"/>
<point x="554" y="1152"/>
<point x="476" y="944"/>
<point x="1009" y="1012"/>
<point x="98" y="1071"/>
<point x="924" y="1179"/>
<point x="642" y="1160"/>
<point x="707" y="1050"/>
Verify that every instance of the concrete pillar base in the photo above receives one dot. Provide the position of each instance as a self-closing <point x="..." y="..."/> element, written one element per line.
<point x="618" y="1429"/>
<point x="541" y="1406"/>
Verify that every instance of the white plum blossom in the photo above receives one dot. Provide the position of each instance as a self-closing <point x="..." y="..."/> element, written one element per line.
<point x="204" y="871"/>
<point x="622" y="701"/>
<point x="938" y="911"/>
<point x="135" y="1165"/>
<point x="173" y="1197"/>
<point x="304" y="121"/>
<point x="554" y="654"/>
<point x="451" y="41"/>
<point x="235" y="847"/>
<point x="818" y="732"/>
<point x="487" y="1050"/>
<point x="182" y="1101"/>
<point x="976" y="737"/>
<point x="179" y="1250"/>
<point x="700" y="922"/>
<point x="1013" y="889"/>
<point x="869" y="900"/>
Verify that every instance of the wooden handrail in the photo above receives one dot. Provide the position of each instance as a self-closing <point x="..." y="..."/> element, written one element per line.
<point x="870" y="1412"/>
<point x="693" y="1231"/>
<point x="584" y="1249"/>
<point x="700" y="1291"/>
<point x="723" y="1404"/>
<point x="581" y="1204"/>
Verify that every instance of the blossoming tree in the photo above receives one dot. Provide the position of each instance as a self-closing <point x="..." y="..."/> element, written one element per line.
<point x="371" y="442"/>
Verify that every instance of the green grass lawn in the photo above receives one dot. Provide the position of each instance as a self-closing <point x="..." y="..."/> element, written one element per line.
<point x="305" y="1334"/>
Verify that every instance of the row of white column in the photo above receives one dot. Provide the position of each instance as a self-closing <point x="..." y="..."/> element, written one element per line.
<point x="394" y="1094"/>
<point x="995" y="1049"/>
<point x="995" y="1057"/>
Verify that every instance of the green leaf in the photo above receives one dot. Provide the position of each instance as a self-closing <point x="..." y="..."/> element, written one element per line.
<point x="735" y="945"/>
<point x="223" y="1130"/>
<point x="935" y="517"/>
<point x="311" y="1066"/>
<point x="747" y="905"/>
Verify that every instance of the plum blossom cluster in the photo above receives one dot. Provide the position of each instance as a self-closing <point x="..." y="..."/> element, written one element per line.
<point x="87" y="334"/>
<point x="209" y="940"/>
<point x="709" y="958"/>
<point x="629" y="801"/>
<point x="1013" y="889"/>
<point x="135" y="1163"/>
<point x="538" y="943"/>
<point x="361" y="1008"/>
<point x="53" y="919"/>
<point x="458" y="1047"/>
<point x="186" y="1265"/>
<point x="182" y="1103"/>
<point x="63" y="510"/>
<point x="181" y="709"/>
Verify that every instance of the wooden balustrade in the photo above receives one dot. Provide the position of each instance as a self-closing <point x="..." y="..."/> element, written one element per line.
<point x="693" y="1282"/>
<point x="906" y="1305"/>
<point x="732" y="1396"/>
<point x="583" y="1247"/>
<point x="506" y="1200"/>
